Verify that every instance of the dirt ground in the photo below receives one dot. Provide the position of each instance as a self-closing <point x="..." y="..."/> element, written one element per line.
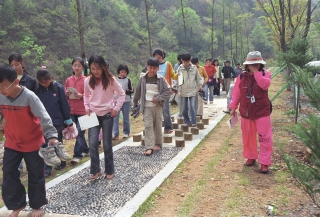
<point x="213" y="180"/>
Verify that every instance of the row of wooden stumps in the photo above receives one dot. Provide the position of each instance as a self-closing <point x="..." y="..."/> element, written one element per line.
<point x="180" y="129"/>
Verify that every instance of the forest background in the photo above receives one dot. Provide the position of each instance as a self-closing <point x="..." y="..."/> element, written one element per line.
<point x="46" y="32"/>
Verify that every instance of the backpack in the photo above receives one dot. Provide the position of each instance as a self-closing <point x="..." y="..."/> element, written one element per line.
<point x="263" y="74"/>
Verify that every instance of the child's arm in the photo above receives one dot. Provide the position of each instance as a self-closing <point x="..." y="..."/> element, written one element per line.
<point x="137" y="95"/>
<point x="199" y="80"/>
<point x="121" y="95"/>
<point x="130" y="89"/>
<point x="39" y="111"/>
<point x="64" y="105"/>
<point x="174" y="76"/>
<point x="263" y="81"/>
<point x="236" y="95"/>
<point x="166" y="90"/>
<point x="86" y="94"/>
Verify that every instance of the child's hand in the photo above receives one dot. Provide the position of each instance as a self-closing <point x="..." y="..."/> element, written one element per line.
<point x="155" y="101"/>
<point x="78" y="95"/>
<point x="232" y="112"/>
<point x="114" y="113"/>
<point x="68" y="93"/>
<point x="52" y="141"/>
<point x="88" y="112"/>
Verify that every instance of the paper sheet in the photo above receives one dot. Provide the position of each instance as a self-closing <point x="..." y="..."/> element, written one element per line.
<point x="180" y="79"/>
<point x="233" y="121"/>
<point x="87" y="121"/>
<point x="73" y="92"/>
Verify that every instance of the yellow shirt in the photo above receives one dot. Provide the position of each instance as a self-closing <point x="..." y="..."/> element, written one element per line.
<point x="203" y="74"/>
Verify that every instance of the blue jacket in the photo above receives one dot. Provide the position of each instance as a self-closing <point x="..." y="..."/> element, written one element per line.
<point x="55" y="101"/>
<point x="28" y="82"/>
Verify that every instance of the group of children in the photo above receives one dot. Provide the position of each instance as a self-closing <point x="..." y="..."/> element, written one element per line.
<point x="47" y="108"/>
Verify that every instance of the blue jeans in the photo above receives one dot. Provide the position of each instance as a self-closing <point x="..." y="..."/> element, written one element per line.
<point x="185" y="103"/>
<point x="81" y="144"/>
<point x="59" y="128"/>
<point x="210" y="88"/>
<point x="126" y="121"/>
<point x="167" y="115"/>
<point x="106" y="123"/>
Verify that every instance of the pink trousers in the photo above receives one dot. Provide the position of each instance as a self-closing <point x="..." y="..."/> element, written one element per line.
<point x="250" y="129"/>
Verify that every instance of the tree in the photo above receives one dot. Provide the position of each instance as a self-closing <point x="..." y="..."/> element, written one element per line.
<point x="148" y="27"/>
<point x="184" y="24"/>
<point x="81" y="29"/>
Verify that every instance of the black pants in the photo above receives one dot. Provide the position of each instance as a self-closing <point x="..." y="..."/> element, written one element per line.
<point x="216" y="90"/>
<point x="13" y="192"/>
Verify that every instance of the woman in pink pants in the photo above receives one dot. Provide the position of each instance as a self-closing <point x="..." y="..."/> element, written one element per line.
<point x="251" y="91"/>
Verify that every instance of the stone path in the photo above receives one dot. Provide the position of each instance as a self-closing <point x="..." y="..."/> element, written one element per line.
<point x="137" y="176"/>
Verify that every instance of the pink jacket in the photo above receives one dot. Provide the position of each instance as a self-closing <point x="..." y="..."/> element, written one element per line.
<point x="263" y="82"/>
<point x="76" y="105"/>
<point x="102" y="101"/>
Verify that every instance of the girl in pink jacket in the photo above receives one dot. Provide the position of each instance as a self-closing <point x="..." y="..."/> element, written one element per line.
<point x="99" y="89"/>
<point x="74" y="87"/>
<point x="251" y="92"/>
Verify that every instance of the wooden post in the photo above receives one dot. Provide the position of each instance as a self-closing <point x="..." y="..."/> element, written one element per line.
<point x="188" y="136"/>
<point x="198" y="119"/>
<point x="143" y="133"/>
<point x="175" y="125"/>
<point x="172" y="118"/>
<point x="180" y="121"/>
<point x="178" y="133"/>
<point x="200" y="125"/>
<point x="167" y="139"/>
<point x="137" y="138"/>
<point x="205" y="121"/>
<point x="195" y="131"/>
<point x="142" y="142"/>
<point x="185" y="128"/>
<point x="180" y="143"/>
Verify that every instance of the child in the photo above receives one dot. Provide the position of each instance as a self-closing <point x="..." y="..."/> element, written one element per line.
<point x="212" y="77"/>
<point x="228" y="74"/>
<point x="16" y="61"/>
<point x="99" y="90"/>
<point x="192" y="83"/>
<point x="216" y="90"/>
<point x="204" y="76"/>
<point x="77" y="107"/>
<point x="126" y="84"/>
<point x="166" y="71"/>
<point x="152" y="91"/>
<point x="17" y="103"/>
<point x="54" y="99"/>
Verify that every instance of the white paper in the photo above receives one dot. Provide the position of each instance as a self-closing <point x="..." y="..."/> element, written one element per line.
<point x="180" y="79"/>
<point x="150" y="95"/>
<point x="87" y="121"/>
<point x="233" y="121"/>
<point x="73" y="92"/>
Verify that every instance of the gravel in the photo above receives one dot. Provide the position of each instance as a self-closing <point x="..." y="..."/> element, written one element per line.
<point x="79" y="196"/>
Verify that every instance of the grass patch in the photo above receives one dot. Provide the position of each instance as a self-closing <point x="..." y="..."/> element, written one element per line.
<point x="148" y="203"/>
<point x="282" y="176"/>
<point x="243" y="180"/>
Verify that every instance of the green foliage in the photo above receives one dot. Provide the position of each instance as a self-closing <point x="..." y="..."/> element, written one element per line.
<point x="308" y="131"/>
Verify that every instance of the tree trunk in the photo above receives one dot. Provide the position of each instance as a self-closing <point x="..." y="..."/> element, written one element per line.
<point x="184" y="25"/>
<point x="297" y="103"/>
<point x="237" y="41"/>
<point x="230" y="25"/>
<point x="283" y="27"/>
<point x="81" y="29"/>
<point x="212" y="28"/>
<point x="149" y="37"/>
<point x="223" y="30"/>
<point x="308" y="20"/>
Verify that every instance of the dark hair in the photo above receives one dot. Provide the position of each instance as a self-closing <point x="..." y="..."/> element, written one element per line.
<point x="238" y="64"/>
<point x="159" y="52"/>
<point x="153" y="62"/>
<point x="186" y="56"/>
<point x="194" y="60"/>
<point x="7" y="72"/>
<point x="123" y="67"/>
<point x="215" y="60"/>
<point x="81" y="61"/>
<point x="107" y="78"/>
<point x="179" y="57"/>
<point x="44" y="75"/>
<point x="18" y="58"/>
<point x="228" y="61"/>
<point x="209" y="59"/>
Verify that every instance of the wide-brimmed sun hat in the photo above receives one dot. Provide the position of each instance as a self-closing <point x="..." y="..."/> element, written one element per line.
<point x="253" y="58"/>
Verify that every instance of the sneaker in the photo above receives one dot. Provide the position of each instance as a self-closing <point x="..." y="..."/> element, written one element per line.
<point x="125" y="135"/>
<point x="61" y="152"/>
<point x="227" y="111"/>
<point x="49" y="156"/>
<point x="264" y="168"/>
<point x="211" y="102"/>
<point x="61" y="166"/>
<point x="75" y="161"/>
<point x="250" y="162"/>
<point x="85" y="154"/>
<point x="115" y="137"/>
